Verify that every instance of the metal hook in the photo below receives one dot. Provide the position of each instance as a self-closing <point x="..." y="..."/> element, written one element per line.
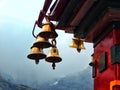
<point x="54" y="42"/>
<point x="34" y="29"/>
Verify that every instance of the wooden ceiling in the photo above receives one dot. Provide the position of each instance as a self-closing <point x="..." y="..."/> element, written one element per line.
<point x="83" y="18"/>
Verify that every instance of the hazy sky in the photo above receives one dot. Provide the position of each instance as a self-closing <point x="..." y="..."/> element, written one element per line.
<point x="17" y="18"/>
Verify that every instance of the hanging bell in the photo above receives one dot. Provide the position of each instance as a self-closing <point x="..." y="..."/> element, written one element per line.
<point x="75" y="43"/>
<point x="53" y="56"/>
<point x="48" y="31"/>
<point x="42" y="42"/>
<point x="36" y="54"/>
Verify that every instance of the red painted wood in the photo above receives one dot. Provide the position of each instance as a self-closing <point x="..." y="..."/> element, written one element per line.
<point x="102" y="80"/>
<point x="58" y="9"/>
<point x="45" y="9"/>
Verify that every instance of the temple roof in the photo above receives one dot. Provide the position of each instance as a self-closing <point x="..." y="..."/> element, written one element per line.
<point x="83" y="18"/>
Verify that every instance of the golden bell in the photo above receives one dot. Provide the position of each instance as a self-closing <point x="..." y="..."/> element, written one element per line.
<point x="48" y="31"/>
<point x="42" y="42"/>
<point x="75" y="43"/>
<point x="36" y="54"/>
<point x="53" y="55"/>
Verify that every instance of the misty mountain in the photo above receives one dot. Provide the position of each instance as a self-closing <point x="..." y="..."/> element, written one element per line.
<point x="76" y="81"/>
<point x="8" y="85"/>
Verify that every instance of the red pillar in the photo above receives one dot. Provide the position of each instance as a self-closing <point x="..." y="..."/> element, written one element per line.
<point x="107" y="61"/>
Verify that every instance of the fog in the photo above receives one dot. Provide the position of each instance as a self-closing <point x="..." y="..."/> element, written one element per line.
<point x="16" y="22"/>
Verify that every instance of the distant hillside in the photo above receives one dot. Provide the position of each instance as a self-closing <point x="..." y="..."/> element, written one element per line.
<point x="7" y="85"/>
<point x="77" y="81"/>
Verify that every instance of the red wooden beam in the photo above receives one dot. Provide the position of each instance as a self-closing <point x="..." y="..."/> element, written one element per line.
<point x="57" y="9"/>
<point x="42" y="13"/>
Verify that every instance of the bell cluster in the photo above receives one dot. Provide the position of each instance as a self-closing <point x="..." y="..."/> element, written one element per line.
<point x="42" y="42"/>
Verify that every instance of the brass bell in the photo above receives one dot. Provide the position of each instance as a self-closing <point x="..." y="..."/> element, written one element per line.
<point x="48" y="30"/>
<point x="75" y="43"/>
<point x="42" y="42"/>
<point x="36" y="54"/>
<point x="53" y="56"/>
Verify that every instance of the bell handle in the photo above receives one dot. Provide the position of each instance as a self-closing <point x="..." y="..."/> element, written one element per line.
<point x="34" y="29"/>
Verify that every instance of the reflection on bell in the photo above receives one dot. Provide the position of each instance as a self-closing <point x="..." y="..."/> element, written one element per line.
<point x="36" y="54"/>
<point x="48" y="31"/>
<point x="53" y="57"/>
<point x="75" y="43"/>
<point x="53" y="65"/>
<point x="42" y="42"/>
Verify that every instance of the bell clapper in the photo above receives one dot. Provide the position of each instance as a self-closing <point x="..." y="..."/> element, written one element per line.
<point x="53" y="65"/>
<point x="37" y="61"/>
<point x="78" y="50"/>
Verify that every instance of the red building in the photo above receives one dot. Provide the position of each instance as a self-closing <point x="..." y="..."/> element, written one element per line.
<point x="98" y="22"/>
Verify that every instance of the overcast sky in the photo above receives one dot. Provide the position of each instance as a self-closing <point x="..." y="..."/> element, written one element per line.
<point x="17" y="18"/>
